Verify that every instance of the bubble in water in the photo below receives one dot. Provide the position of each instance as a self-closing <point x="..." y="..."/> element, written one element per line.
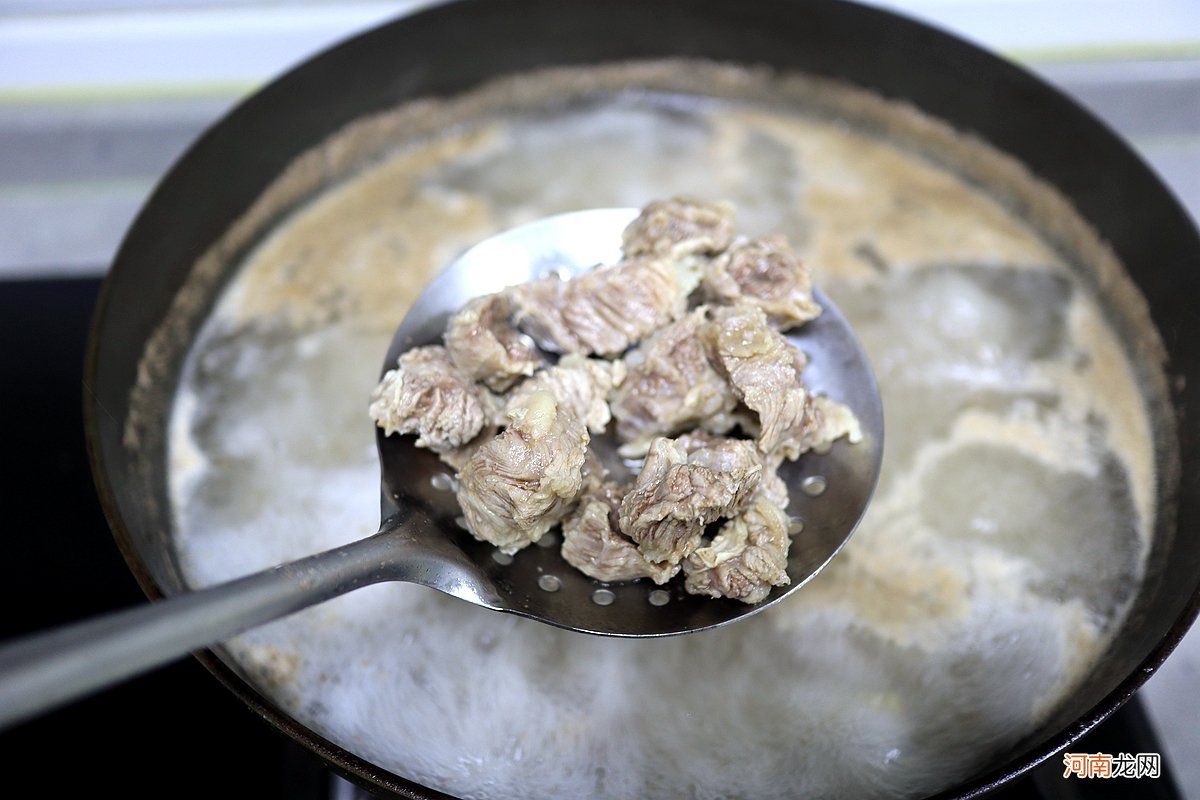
<point x="442" y="482"/>
<point x="660" y="597"/>
<point x="795" y="525"/>
<point x="549" y="583"/>
<point x="504" y="559"/>
<point x="547" y="541"/>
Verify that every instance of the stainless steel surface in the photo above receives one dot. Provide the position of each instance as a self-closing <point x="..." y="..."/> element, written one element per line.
<point x="419" y="540"/>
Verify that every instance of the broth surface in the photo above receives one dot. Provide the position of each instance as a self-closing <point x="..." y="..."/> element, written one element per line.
<point x="1002" y="549"/>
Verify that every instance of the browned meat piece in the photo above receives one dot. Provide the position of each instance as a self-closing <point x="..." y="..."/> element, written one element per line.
<point x="603" y="311"/>
<point x="670" y="387"/>
<point x="579" y="384"/>
<point x="766" y="374"/>
<point x="427" y="395"/>
<point x="678" y="493"/>
<point x="483" y="344"/>
<point x="745" y="559"/>
<point x="593" y="544"/>
<point x="678" y="228"/>
<point x="523" y="482"/>
<point x="767" y="273"/>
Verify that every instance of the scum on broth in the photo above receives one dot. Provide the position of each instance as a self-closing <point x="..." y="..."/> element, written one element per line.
<point x="1001" y="551"/>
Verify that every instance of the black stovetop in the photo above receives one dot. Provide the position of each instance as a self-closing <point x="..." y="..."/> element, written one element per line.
<point x="177" y="731"/>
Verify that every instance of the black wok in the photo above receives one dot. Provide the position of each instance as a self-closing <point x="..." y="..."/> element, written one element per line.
<point x="452" y="48"/>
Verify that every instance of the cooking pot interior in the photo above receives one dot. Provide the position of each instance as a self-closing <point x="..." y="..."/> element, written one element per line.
<point x="266" y="159"/>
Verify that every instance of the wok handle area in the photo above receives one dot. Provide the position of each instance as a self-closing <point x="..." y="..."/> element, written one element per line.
<point x="45" y="670"/>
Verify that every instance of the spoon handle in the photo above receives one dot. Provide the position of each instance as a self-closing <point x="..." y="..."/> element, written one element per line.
<point x="45" y="670"/>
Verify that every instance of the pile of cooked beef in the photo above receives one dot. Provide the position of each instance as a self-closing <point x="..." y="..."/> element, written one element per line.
<point x="680" y="342"/>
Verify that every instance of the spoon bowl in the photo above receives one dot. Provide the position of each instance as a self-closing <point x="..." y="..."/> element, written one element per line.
<point x="420" y="539"/>
<point x="829" y="492"/>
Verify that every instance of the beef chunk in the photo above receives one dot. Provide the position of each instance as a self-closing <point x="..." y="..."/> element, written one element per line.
<point x="577" y="383"/>
<point x="670" y="387"/>
<point x="766" y="374"/>
<point x="593" y="543"/>
<point x="771" y="487"/>
<point x="457" y="458"/>
<point x="483" y="344"/>
<point x="429" y="396"/>
<point x="678" y="228"/>
<point x="678" y="493"/>
<point x="603" y="311"/>
<point x="521" y="483"/>
<point x="834" y="421"/>
<point x="764" y="272"/>
<point x="745" y="559"/>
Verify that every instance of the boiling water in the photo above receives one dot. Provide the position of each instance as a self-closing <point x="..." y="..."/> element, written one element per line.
<point x="1002" y="549"/>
